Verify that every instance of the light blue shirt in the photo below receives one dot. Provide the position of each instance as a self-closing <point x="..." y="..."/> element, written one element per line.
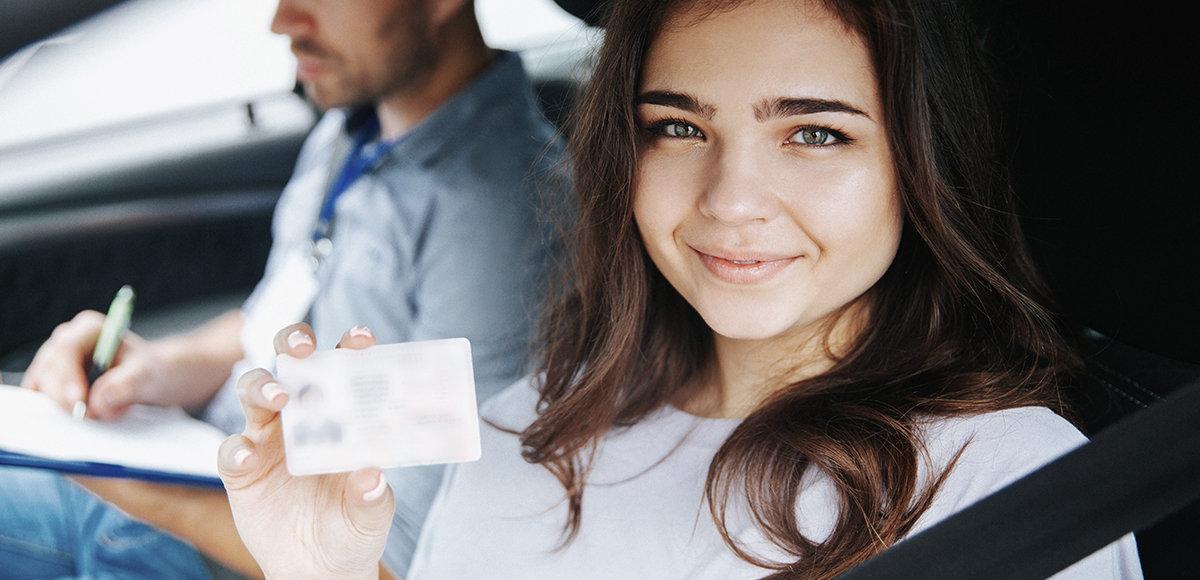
<point x="446" y="237"/>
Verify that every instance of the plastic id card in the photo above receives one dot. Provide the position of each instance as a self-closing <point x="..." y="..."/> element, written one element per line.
<point x="390" y="405"/>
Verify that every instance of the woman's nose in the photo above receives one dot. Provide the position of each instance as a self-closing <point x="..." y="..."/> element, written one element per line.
<point x="738" y="189"/>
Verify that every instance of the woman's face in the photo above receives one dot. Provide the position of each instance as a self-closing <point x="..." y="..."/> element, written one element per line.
<point x="766" y="192"/>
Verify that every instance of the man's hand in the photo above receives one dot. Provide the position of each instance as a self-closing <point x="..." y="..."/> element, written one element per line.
<point x="59" y="369"/>
<point x="322" y="526"/>
<point x="185" y="370"/>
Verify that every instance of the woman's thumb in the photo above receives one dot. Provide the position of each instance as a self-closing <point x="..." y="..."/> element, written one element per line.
<point x="369" y="501"/>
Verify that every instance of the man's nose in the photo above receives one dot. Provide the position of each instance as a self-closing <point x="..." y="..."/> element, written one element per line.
<point x="292" y="18"/>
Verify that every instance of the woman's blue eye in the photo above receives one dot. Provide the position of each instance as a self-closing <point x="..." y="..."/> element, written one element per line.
<point x="676" y="129"/>
<point x="817" y="136"/>
<point x="682" y="130"/>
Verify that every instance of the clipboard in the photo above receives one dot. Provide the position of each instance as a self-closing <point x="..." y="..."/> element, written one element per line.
<point x="107" y="470"/>
<point x="161" y="444"/>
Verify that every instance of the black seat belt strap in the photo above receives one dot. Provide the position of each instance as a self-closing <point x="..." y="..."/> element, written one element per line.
<point x="1131" y="475"/>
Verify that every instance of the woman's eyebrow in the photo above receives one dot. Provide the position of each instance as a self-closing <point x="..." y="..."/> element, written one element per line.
<point x="788" y="107"/>
<point x="675" y="100"/>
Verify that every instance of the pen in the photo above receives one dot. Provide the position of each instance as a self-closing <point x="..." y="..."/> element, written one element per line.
<point x="115" y="324"/>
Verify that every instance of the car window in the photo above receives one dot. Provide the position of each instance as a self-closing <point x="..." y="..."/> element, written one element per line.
<point x="141" y="59"/>
<point x="149" y="58"/>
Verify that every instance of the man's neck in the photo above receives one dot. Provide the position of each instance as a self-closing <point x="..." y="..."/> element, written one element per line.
<point x="463" y="57"/>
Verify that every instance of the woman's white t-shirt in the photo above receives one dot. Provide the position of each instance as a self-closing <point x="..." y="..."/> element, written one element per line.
<point x="644" y="514"/>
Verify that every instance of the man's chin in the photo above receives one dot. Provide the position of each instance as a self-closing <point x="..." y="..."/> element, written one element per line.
<point x="325" y="97"/>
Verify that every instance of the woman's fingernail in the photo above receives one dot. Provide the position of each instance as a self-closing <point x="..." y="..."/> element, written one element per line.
<point x="376" y="493"/>
<point x="360" y="330"/>
<point x="272" y="390"/>
<point x="298" y="338"/>
<point x="240" y="457"/>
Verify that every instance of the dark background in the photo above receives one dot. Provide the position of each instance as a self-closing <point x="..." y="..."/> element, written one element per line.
<point x="1101" y="120"/>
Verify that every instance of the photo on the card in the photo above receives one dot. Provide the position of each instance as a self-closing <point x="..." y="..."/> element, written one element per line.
<point x="314" y="423"/>
<point x="387" y="406"/>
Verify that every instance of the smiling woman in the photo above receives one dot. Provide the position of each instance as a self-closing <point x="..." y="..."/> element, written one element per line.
<point x="765" y="193"/>
<point x="803" y="132"/>
<point x="799" y="324"/>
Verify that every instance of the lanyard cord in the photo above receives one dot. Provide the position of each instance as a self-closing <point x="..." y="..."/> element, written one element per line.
<point x="360" y="160"/>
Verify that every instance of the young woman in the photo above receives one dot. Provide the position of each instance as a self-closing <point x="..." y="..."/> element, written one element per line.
<point x="798" y="324"/>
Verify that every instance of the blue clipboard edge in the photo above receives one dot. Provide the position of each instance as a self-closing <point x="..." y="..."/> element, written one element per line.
<point x="107" y="470"/>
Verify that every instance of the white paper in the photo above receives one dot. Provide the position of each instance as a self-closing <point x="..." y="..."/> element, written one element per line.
<point x="152" y="438"/>
<point x="389" y="405"/>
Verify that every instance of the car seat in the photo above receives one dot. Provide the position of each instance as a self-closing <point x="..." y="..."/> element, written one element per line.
<point x="1111" y="218"/>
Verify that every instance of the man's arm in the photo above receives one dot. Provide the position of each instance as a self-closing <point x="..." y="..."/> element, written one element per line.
<point x="200" y="362"/>
<point x="198" y="516"/>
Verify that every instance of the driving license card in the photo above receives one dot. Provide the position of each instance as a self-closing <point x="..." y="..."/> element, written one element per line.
<point x="389" y="405"/>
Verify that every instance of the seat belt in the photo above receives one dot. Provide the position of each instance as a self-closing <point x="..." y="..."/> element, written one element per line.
<point x="1132" y="474"/>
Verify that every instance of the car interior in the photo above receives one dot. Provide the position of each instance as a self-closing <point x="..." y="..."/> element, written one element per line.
<point x="1113" y="230"/>
<point x="177" y="205"/>
<point x="1098" y="125"/>
<point x="1112" y="226"/>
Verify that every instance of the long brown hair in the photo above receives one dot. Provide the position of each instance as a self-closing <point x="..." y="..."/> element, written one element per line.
<point x="958" y="323"/>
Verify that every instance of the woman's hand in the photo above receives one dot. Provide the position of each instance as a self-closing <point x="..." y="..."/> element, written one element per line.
<point x="325" y="526"/>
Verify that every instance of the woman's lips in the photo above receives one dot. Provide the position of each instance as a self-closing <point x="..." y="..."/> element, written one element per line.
<point x="743" y="267"/>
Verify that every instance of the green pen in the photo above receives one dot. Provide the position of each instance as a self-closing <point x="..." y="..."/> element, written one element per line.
<point x="115" y="324"/>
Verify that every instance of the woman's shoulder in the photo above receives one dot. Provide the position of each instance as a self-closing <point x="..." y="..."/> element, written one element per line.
<point x="988" y="451"/>
<point x="514" y="407"/>
<point x="1021" y="434"/>
<point x="991" y="450"/>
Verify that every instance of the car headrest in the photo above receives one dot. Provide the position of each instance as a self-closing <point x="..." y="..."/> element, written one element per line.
<point x="1101" y="126"/>
<point x="585" y="10"/>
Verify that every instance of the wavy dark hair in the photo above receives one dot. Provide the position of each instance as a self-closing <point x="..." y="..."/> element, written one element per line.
<point x="958" y="324"/>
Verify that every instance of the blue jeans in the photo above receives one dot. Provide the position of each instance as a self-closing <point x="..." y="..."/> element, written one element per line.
<point x="52" y="528"/>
